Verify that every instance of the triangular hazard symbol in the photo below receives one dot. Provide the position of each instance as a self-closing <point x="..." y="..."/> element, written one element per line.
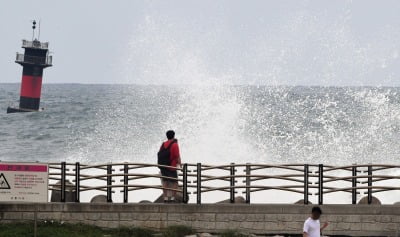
<point x="3" y="182"/>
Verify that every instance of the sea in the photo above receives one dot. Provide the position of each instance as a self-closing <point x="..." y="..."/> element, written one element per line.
<point x="213" y="124"/>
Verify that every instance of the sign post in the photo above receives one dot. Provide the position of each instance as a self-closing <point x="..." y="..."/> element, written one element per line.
<point x="24" y="182"/>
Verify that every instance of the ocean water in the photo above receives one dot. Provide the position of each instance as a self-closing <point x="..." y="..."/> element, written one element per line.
<point x="214" y="125"/>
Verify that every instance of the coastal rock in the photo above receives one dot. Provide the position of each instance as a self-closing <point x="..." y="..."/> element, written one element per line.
<point x="145" y="201"/>
<point x="69" y="192"/>
<point x="364" y="200"/>
<point x="99" y="199"/>
<point x="238" y="200"/>
<point x="205" y="235"/>
<point x="301" y="201"/>
<point x="178" y="198"/>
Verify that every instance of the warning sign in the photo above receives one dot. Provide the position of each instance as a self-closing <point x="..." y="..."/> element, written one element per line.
<point x="23" y="182"/>
<point x="3" y="182"/>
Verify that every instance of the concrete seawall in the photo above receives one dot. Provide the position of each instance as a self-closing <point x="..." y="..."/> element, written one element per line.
<point x="353" y="220"/>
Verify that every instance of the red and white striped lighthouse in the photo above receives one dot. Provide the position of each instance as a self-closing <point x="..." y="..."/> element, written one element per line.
<point x="33" y="61"/>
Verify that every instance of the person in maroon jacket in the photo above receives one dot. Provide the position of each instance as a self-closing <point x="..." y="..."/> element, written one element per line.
<point x="175" y="161"/>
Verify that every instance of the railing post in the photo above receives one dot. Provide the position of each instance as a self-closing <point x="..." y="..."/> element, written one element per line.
<point x="320" y="184"/>
<point x="232" y="189"/>
<point x="184" y="189"/>
<point x="126" y="170"/>
<point x="354" y="185"/>
<point x="198" y="183"/>
<point x="77" y="181"/>
<point x="306" y="184"/>
<point x="369" y="184"/>
<point x="109" y="183"/>
<point x="63" y="180"/>
<point x="248" y="171"/>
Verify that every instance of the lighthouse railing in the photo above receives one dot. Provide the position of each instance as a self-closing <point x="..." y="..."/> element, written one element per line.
<point x="22" y="58"/>
<point x="35" y="44"/>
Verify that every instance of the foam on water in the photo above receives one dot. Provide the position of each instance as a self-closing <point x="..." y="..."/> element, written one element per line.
<point x="272" y="123"/>
<point x="215" y="124"/>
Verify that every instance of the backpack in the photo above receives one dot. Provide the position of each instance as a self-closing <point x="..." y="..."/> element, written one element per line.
<point x="164" y="155"/>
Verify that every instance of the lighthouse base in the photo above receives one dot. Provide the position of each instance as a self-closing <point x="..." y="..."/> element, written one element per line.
<point x="19" y="110"/>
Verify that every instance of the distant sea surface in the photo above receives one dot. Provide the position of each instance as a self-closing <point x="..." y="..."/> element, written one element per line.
<point x="216" y="124"/>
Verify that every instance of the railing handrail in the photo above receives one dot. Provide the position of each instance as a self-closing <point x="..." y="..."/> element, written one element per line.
<point x="362" y="177"/>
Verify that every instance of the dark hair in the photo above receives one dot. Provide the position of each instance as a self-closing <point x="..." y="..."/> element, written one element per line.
<point x="316" y="210"/>
<point x="170" y="134"/>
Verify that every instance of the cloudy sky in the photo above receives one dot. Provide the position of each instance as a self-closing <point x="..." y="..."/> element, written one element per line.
<point x="320" y="42"/>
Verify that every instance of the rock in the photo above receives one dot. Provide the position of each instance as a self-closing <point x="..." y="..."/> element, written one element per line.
<point x="69" y="192"/>
<point x="204" y="235"/>
<point x="396" y="203"/>
<point x="190" y="235"/>
<point x="301" y="201"/>
<point x="145" y="201"/>
<point x="364" y="200"/>
<point x="238" y="199"/>
<point x="99" y="199"/>
<point x="178" y="198"/>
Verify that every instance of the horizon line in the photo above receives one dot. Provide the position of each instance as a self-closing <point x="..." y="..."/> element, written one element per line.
<point x="197" y="85"/>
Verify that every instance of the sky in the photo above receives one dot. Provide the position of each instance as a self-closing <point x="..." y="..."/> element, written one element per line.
<point x="258" y="42"/>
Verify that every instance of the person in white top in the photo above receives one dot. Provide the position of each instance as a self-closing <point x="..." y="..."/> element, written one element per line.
<point x="312" y="227"/>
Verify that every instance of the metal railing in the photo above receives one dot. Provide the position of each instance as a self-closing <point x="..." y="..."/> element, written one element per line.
<point x="35" y="44"/>
<point x="45" y="61"/>
<point x="301" y="179"/>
